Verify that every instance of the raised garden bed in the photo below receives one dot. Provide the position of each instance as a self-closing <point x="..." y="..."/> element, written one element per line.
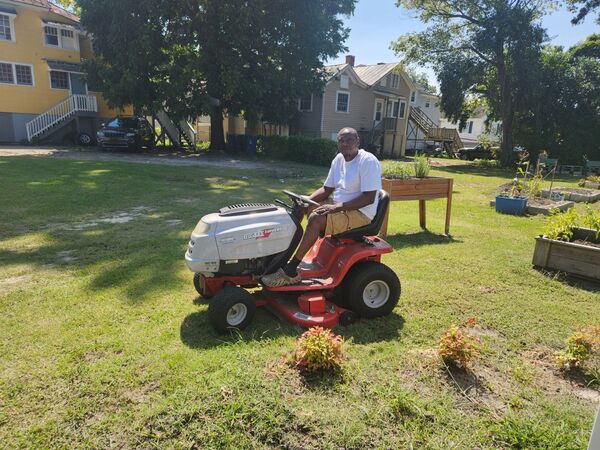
<point x="421" y="189"/>
<point x="575" y="194"/>
<point x="591" y="184"/>
<point x="543" y="206"/>
<point x="580" y="257"/>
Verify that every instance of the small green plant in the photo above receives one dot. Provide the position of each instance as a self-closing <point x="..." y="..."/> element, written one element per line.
<point x="395" y="170"/>
<point x="421" y="165"/>
<point x="560" y="225"/>
<point x="319" y="349"/>
<point x="579" y="348"/>
<point x="457" y="347"/>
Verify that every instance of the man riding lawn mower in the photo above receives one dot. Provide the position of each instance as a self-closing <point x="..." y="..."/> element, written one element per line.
<point x="242" y="246"/>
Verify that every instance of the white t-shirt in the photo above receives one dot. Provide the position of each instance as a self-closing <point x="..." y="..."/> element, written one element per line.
<point x="352" y="178"/>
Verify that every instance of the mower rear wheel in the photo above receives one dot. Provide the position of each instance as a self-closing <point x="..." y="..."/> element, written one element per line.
<point x="372" y="289"/>
<point x="198" y="286"/>
<point x="231" y="308"/>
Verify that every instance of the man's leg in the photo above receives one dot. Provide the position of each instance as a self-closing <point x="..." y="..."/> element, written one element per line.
<point x="289" y="274"/>
<point x="314" y="228"/>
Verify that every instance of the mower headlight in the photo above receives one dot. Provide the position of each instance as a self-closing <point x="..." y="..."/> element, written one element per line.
<point x="130" y="135"/>
<point x="100" y="134"/>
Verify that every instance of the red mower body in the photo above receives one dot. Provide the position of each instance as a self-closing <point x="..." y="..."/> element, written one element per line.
<point x="308" y="303"/>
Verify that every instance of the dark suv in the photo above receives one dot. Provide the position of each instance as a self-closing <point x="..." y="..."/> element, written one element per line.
<point x="472" y="153"/>
<point x="132" y="133"/>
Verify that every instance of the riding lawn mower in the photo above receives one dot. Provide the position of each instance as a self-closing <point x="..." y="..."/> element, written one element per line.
<point x="342" y="276"/>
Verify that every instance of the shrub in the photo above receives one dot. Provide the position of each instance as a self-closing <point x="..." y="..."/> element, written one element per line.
<point x="579" y="348"/>
<point x="457" y="347"/>
<point x="299" y="148"/>
<point x="395" y="170"/>
<point x="421" y="165"/>
<point x="319" y="349"/>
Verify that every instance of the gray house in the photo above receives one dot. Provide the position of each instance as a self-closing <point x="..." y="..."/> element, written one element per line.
<point x="373" y="99"/>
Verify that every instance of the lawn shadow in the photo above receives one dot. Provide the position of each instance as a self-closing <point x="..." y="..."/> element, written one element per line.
<point x="196" y="331"/>
<point x="571" y="280"/>
<point x="419" y="239"/>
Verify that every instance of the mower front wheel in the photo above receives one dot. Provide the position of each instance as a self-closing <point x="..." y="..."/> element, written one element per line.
<point x="231" y="308"/>
<point x="372" y="289"/>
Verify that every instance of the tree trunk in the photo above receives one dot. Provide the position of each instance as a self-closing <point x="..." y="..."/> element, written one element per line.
<point x="217" y="136"/>
<point x="508" y="114"/>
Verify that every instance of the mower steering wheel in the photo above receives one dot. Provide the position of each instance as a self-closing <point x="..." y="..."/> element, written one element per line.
<point x="301" y="200"/>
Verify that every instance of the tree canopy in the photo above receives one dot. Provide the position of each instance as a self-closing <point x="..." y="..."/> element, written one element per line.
<point x="250" y="57"/>
<point x="582" y="8"/>
<point x="481" y="48"/>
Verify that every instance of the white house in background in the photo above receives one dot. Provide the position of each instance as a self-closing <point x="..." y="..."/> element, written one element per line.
<point x="429" y="105"/>
<point x="476" y="128"/>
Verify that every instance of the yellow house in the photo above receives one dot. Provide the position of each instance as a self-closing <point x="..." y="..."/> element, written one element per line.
<point x="43" y="94"/>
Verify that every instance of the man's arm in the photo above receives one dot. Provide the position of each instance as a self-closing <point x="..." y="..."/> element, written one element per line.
<point x="364" y="199"/>
<point x="321" y="194"/>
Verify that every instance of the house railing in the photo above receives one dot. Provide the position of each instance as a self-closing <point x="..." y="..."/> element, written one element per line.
<point x="58" y="113"/>
<point x="189" y="131"/>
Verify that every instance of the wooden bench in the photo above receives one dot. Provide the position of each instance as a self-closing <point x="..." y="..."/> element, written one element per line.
<point x="592" y="167"/>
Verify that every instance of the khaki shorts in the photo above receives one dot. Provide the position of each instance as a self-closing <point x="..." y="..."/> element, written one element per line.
<point x="344" y="220"/>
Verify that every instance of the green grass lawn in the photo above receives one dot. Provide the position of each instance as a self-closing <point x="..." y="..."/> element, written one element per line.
<point x="105" y="343"/>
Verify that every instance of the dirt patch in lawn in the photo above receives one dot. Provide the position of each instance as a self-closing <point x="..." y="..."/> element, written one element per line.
<point x="8" y="284"/>
<point x="120" y="217"/>
<point x="550" y="379"/>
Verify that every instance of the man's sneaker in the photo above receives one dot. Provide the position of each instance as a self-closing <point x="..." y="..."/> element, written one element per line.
<point x="279" y="278"/>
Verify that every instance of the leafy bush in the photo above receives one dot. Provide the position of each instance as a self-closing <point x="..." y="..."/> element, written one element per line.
<point x="395" y="170"/>
<point x="421" y="165"/>
<point x="319" y="349"/>
<point x="457" y="347"/>
<point x="579" y="348"/>
<point x="560" y="225"/>
<point x="299" y="148"/>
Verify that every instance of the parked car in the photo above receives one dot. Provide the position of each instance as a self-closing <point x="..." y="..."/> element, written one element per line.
<point x="472" y="153"/>
<point x="128" y="132"/>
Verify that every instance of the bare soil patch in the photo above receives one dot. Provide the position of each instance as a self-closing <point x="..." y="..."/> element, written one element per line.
<point x="550" y="379"/>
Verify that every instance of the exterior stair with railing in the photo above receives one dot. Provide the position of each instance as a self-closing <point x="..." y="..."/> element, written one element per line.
<point x="61" y="115"/>
<point x="418" y="120"/>
<point x="180" y="133"/>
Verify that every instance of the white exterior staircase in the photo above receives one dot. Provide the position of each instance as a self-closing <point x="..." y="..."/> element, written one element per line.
<point x="177" y="132"/>
<point x="59" y="113"/>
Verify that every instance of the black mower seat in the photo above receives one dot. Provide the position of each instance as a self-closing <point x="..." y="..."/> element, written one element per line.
<point x="373" y="228"/>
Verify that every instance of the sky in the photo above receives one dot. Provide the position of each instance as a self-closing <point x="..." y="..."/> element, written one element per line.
<point x="376" y="23"/>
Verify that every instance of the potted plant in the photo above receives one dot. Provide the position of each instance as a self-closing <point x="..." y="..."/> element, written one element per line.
<point x="514" y="201"/>
<point x="571" y="243"/>
<point x="411" y="181"/>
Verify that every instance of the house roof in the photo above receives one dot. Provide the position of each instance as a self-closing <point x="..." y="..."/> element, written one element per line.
<point x="50" y="7"/>
<point x="373" y="73"/>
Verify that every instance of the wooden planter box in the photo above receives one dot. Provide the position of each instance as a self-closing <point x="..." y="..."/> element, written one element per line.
<point x="575" y="259"/>
<point x="591" y="185"/>
<point x="421" y="189"/>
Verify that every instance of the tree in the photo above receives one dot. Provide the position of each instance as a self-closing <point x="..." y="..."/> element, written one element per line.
<point x="479" y="48"/>
<point x="583" y="8"/>
<point x="250" y="57"/>
<point x="421" y="80"/>
<point x="565" y="117"/>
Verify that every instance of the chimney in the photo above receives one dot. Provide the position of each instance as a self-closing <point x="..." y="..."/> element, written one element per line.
<point x="350" y="60"/>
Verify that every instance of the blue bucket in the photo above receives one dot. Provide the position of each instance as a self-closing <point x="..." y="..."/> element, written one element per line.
<point x="511" y="205"/>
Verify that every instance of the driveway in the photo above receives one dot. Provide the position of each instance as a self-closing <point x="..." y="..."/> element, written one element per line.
<point x="170" y="158"/>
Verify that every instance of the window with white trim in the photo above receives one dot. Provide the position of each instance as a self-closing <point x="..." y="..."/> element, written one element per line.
<point x="13" y="73"/>
<point x="59" y="79"/>
<point x="51" y="36"/>
<point x="470" y="127"/>
<point x="427" y="104"/>
<point x="395" y="80"/>
<point x="413" y="96"/>
<point x="7" y="27"/>
<point x="342" y="102"/>
<point x="62" y="37"/>
<point x="402" y="111"/>
<point x="305" y="103"/>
